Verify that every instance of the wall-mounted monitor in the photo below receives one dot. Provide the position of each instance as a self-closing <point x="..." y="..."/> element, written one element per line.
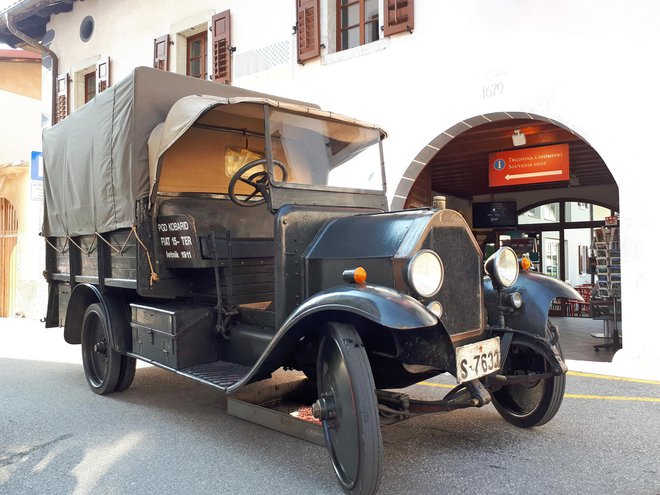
<point x="495" y="214"/>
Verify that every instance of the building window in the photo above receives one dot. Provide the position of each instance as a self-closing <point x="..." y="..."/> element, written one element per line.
<point x="196" y="57"/>
<point x="89" y="78"/>
<point x="84" y="85"/>
<point x="196" y="52"/>
<point x="348" y="28"/>
<point x="547" y="213"/>
<point x="90" y="86"/>
<point x="357" y="23"/>
<point x="86" y="28"/>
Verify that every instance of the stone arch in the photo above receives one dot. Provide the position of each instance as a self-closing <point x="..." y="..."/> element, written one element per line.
<point x="423" y="158"/>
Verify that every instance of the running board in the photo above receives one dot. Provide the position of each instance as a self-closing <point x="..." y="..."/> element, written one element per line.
<point x="269" y="405"/>
<point x="218" y="374"/>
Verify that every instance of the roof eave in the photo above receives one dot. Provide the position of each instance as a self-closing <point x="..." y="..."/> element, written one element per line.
<point x="31" y="17"/>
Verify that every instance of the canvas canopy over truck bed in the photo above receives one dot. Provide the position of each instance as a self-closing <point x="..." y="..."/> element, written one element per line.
<point x="96" y="160"/>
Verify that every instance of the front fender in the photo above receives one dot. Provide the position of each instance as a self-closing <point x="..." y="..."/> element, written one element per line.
<point x="382" y="305"/>
<point x="537" y="290"/>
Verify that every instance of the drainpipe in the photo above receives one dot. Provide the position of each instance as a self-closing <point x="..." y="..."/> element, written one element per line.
<point x="45" y="52"/>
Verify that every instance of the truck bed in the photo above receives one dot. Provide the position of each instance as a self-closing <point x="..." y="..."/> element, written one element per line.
<point x="102" y="259"/>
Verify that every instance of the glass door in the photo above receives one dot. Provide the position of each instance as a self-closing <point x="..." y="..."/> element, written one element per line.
<point x="550" y="256"/>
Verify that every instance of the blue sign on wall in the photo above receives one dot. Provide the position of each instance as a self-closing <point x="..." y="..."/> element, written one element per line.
<point x="37" y="166"/>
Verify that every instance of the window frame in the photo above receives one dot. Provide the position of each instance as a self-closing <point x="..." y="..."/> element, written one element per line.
<point x="561" y="225"/>
<point x="202" y="57"/>
<point x="77" y="95"/>
<point x="362" y="23"/>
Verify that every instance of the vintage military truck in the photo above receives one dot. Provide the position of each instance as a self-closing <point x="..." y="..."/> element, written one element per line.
<point x="224" y="234"/>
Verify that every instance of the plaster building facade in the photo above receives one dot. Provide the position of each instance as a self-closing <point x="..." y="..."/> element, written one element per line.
<point x="22" y="291"/>
<point x="448" y="81"/>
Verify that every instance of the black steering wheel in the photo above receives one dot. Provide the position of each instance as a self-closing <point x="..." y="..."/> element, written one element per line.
<point x="258" y="180"/>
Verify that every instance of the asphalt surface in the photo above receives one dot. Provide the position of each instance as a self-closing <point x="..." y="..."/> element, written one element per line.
<point x="171" y="435"/>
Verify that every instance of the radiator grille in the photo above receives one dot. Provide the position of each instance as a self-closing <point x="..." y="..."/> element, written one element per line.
<point x="461" y="292"/>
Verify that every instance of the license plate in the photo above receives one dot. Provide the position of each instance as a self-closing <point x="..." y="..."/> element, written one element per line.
<point x="477" y="360"/>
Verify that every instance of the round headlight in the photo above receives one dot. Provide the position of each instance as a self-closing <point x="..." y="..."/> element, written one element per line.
<point x="425" y="273"/>
<point x="503" y="267"/>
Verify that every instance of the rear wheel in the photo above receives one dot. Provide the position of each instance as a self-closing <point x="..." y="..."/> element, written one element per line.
<point x="530" y="404"/>
<point x="126" y="373"/>
<point x="102" y="364"/>
<point x="348" y="409"/>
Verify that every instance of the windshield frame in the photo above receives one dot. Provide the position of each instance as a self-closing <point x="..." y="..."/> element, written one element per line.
<point x="318" y="187"/>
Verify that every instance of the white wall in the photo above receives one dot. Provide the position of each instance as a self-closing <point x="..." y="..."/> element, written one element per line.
<point x="19" y="127"/>
<point x="20" y="134"/>
<point x="588" y="65"/>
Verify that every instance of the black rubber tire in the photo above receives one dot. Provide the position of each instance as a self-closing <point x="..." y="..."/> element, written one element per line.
<point x="527" y="406"/>
<point x="101" y="363"/>
<point x="353" y="438"/>
<point x="126" y="373"/>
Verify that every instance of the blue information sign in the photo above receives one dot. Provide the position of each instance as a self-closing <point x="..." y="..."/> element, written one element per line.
<point x="37" y="166"/>
<point x="499" y="164"/>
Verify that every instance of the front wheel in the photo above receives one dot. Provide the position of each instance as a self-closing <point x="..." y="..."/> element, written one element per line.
<point x="348" y="409"/>
<point x="534" y="404"/>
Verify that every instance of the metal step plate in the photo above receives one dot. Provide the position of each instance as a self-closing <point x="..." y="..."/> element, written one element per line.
<point x="220" y="374"/>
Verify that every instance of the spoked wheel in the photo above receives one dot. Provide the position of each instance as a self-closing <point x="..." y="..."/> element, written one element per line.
<point x="102" y="364"/>
<point x="348" y="409"/>
<point x="527" y="405"/>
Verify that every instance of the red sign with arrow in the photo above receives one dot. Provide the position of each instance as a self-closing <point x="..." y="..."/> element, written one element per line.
<point x="529" y="166"/>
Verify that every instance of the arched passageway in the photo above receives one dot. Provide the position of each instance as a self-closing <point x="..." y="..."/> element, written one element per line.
<point x="455" y="162"/>
<point x="558" y="218"/>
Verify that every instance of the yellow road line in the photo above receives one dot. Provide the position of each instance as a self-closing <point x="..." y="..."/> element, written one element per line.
<point x="612" y="397"/>
<point x="439" y="385"/>
<point x="573" y="373"/>
<point x="568" y="396"/>
<point x="616" y="378"/>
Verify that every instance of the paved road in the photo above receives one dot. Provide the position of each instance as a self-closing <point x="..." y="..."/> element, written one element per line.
<point x="170" y="435"/>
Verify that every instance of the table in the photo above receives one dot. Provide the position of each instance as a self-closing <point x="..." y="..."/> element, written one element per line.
<point x="607" y="310"/>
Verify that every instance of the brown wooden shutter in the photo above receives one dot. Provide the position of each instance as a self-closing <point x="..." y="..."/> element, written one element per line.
<point x="62" y="106"/>
<point x="162" y="52"/>
<point x="102" y="75"/>
<point x="221" y="42"/>
<point x="307" y="29"/>
<point x="399" y="16"/>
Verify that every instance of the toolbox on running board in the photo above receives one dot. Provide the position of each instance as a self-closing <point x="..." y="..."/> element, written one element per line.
<point x="176" y="336"/>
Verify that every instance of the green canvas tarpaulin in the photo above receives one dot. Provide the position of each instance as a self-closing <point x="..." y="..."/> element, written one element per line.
<point x="96" y="160"/>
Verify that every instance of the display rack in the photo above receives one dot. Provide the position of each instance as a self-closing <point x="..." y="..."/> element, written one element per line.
<point x="608" y="262"/>
<point x="606" y="294"/>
